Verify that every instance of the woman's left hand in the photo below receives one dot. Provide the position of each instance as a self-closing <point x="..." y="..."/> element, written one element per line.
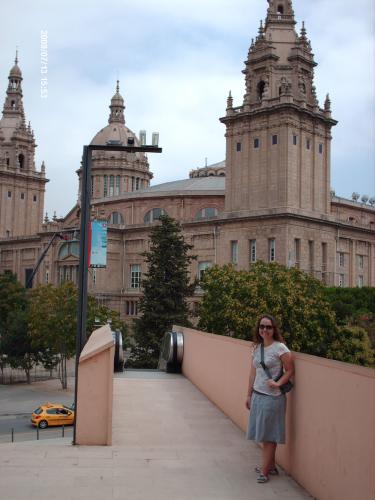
<point x="273" y="384"/>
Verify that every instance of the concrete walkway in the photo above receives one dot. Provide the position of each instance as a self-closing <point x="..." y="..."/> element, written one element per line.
<point x="169" y="443"/>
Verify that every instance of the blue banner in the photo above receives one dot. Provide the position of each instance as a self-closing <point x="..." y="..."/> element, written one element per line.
<point x="98" y="244"/>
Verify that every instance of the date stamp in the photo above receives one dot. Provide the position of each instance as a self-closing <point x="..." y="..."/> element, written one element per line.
<point x="44" y="64"/>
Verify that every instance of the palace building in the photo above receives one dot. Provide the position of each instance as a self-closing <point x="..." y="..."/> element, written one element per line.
<point x="270" y="199"/>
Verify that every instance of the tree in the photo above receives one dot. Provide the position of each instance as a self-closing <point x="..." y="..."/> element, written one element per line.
<point x="53" y="322"/>
<point x="233" y="301"/>
<point x="166" y="287"/>
<point x="16" y="348"/>
<point x="352" y="345"/>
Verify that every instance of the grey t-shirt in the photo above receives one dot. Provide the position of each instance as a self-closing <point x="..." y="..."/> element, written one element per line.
<point x="273" y="362"/>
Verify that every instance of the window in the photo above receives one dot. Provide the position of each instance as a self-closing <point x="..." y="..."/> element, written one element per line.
<point x="133" y="183"/>
<point x="294" y="140"/>
<point x="307" y="143"/>
<point x="206" y="213"/>
<point x="131" y="307"/>
<point x="67" y="249"/>
<point x="272" y="249"/>
<point x="238" y="146"/>
<point x="116" y="219"/>
<point x="311" y="255"/>
<point x="28" y="273"/>
<point x="9" y="194"/>
<point x="297" y="252"/>
<point x="253" y="250"/>
<point x="274" y="139"/>
<point x="202" y="267"/>
<point x="135" y="276"/>
<point x="260" y="89"/>
<point x="360" y="281"/>
<point x="137" y="184"/>
<point x="46" y="277"/>
<point x="234" y="252"/>
<point x="22" y="196"/>
<point x="341" y="258"/>
<point x="341" y="280"/>
<point x="105" y="193"/>
<point x="117" y="191"/>
<point x="34" y="197"/>
<point x="256" y="143"/>
<point x="360" y="261"/>
<point x="153" y="215"/>
<point x="111" y="185"/>
<point x="320" y="148"/>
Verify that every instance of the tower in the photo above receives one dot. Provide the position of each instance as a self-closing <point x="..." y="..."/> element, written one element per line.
<point x="278" y="140"/>
<point x="21" y="186"/>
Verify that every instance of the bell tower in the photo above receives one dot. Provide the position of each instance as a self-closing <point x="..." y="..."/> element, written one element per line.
<point x="278" y="140"/>
<point x="21" y="186"/>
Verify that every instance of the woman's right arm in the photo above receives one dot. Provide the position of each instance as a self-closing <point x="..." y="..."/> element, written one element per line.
<point x="251" y="383"/>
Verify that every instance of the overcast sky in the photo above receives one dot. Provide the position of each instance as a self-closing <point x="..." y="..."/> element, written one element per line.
<point x="176" y="62"/>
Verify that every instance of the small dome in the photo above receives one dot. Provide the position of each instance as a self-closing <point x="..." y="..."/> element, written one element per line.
<point x="115" y="133"/>
<point x="15" y="71"/>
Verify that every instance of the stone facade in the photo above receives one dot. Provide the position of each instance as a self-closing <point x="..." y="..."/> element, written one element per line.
<point x="269" y="200"/>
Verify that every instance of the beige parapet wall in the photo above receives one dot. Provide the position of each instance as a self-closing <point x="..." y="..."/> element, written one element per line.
<point x="95" y="389"/>
<point x="330" y="446"/>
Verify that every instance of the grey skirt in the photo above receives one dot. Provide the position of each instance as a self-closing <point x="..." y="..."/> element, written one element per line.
<point x="267" y="418"/>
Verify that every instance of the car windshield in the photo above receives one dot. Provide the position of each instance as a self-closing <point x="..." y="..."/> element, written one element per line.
<point x="38" y="411"/>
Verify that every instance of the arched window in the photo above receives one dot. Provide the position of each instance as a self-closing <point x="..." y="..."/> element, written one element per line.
<point x="116" y="218"/>
<point x="260" y="89"/>
<point x="70" y="248"/>
<point x="153" y="215"/>
<point x="206" y="213"/>
<point x="280" y="9"/>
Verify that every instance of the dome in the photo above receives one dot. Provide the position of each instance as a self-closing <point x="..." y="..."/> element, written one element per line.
<point x="15" y="71"/>
<point x="115" y="133"/>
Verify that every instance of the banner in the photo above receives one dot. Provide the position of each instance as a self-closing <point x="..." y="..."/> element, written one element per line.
<point x="98" y="254"/>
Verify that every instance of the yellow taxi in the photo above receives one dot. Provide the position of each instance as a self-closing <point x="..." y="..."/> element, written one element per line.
<point x="52" y="414"/>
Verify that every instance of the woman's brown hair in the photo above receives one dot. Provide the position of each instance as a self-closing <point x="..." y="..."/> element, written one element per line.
<point x="276" y="330"/>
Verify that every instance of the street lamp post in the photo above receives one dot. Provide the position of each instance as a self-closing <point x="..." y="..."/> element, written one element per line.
<point x="83" y="249"/>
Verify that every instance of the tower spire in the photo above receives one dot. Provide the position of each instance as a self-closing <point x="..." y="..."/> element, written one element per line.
<point x="117" y="107"/>
<point x="13" y="106"/>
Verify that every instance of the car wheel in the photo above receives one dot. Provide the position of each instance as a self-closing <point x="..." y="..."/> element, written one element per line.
<point x="43" y="424"/>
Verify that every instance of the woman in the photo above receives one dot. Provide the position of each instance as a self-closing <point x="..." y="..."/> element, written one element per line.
<point x="265" y="401"/>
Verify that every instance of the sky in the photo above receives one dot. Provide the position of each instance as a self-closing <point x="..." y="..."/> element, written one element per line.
<point x="176" y="62"/>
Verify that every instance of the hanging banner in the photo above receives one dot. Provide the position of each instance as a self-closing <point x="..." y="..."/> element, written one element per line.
<point x="98" y="254"/>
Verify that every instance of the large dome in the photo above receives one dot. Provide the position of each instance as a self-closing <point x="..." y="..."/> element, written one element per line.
<point x="115" y="133"/>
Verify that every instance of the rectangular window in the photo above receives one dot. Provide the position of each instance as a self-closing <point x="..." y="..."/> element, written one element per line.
<point x="9" y="194"/>
<point x="28" y="273"/>
<point x="202" y="267"/>
<point x="238" y="146"/>
<point x="297" y="253"/>
<point x="341" y="280"/>
<point x="46" y="277"/>
<point x="360" y="281"/>
<point x="274" y="139"/>
<point x="294" y="140"/>
<point x="111" y="185"/>
<point x="256" y="143"/>
<point x="234" y="252"/>
<point x="311" y="255"/>
<point x="253" y="250"/>
<point x="135" y="276"/>
<point x="22" y="196"/>
<point x="105" y="186"/>
<point x="320" y="148"/>
<point x="131" y="307"/>
<point x="272" y="249"/>
<point x="137" y="183"/>
<point x="61" y="275"/>
<point x="34" y="197"/>
<point x="133" y="183"/>
<point x="360" y="261"/>
<point x="307" y="143"/>
<point x="341" y="258"/>
<point x="117" y="191"/>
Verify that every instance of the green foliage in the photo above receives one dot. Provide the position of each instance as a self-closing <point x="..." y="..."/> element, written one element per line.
<point x="233" y="301"/>
<point x="351" y="344"/>
<point x="166" y="287"/>
<point x="350" y="304"/>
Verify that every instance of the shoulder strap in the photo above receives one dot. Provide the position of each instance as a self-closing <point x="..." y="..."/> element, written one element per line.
<point x="264" y="365"/>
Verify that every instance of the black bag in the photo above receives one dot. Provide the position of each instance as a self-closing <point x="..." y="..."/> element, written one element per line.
<point x="288" y="386"/>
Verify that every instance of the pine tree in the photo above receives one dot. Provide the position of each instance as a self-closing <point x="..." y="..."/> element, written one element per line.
<point x="166" y="287"/>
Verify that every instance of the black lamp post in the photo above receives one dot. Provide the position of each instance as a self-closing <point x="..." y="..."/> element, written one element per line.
<point x="83" y="249"/>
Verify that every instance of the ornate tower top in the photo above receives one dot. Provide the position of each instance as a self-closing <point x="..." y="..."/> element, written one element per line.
<point x="280" y="12"/>
<point x="117" y="107"/>
<point x="13" y="106"/>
